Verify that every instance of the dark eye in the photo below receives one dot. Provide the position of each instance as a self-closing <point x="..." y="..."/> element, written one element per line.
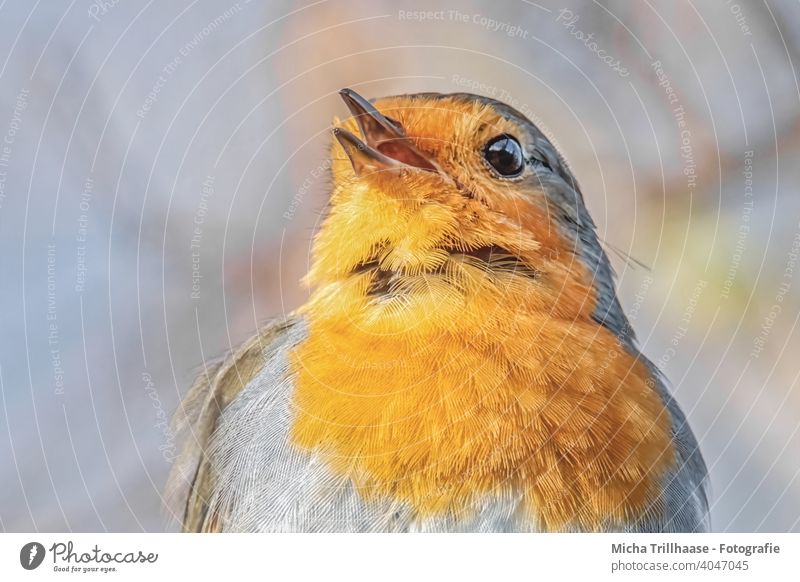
<point x="505" y="155"/>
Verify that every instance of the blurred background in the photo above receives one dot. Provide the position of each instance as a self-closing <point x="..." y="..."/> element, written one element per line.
<point x="163" y="169"/>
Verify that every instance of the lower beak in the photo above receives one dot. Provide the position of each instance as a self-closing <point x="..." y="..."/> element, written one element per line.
<point x="385" y="145"/>
<point x="363" y="158"/>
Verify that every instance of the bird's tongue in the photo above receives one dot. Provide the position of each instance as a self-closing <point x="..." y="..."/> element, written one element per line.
<point x="398" y="150"/>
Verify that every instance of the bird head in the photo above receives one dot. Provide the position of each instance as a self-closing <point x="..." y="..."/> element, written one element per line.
<point x="444" y="200"/>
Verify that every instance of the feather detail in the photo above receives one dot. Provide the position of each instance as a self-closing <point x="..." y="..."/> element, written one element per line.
<point x="192" y="481"/>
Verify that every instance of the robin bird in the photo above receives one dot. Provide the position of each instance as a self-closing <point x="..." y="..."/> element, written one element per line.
<point x="462" y="362"/>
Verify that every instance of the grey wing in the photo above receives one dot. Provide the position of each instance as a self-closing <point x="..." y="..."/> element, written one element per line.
<point x="683" y="506"/>
<point x="193" y="478"/>
<point x="240" y="471"/>
<point x="263" y="482"/>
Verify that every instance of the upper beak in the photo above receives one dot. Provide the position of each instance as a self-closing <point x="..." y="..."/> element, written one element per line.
<point x="386" y="147"/>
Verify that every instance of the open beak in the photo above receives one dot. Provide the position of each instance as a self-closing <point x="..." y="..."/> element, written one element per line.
<point x="384" y="146"/>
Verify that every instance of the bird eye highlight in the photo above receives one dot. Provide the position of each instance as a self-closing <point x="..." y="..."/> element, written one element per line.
<point x="504" y="154"/>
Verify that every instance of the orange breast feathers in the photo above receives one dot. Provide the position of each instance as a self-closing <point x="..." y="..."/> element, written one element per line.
<point x="501" y="401"/>
<point x="457" y="383"/>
